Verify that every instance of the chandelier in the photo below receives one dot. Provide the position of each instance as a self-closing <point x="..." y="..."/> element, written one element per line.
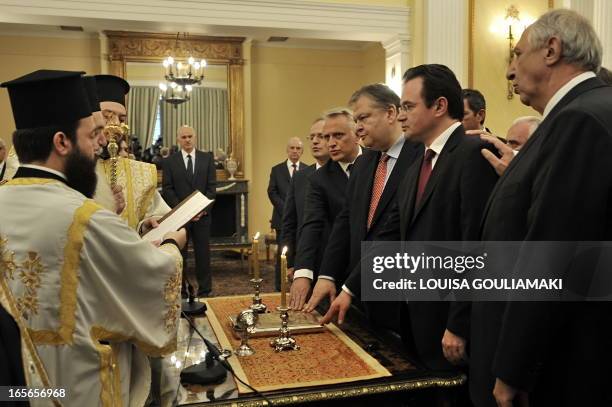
<point x="181" y="76"/>
<point x="174" y="93"/>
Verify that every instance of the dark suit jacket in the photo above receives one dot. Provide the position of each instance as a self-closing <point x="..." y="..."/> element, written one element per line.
<point x="277" y="190"/>
<point x="2" y="171"/>
<point x="558" y="188"/>
<point x="343" y="250"/>
<point x="11" y="365"/>
<point x="176" y="184"/>
<point x="293" y="211"/>
<point x="451" y="209"/>
<point x="324" y="201"/>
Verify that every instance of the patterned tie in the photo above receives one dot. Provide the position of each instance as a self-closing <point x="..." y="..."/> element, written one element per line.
<point x="189" y="166"/>
<point x="294" y="169"/>
<point x="378" y="186"/>
<point x="424" y="175"/>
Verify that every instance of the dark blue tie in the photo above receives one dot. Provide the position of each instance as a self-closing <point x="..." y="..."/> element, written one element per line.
<point x="189" y="167"/>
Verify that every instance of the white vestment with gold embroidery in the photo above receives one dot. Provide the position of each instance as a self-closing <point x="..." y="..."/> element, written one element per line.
<point x="94" y="297"/>
<point x="138" y="181"/>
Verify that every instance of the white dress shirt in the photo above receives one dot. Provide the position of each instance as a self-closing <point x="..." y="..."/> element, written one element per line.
<point x="564" y="90"/>
<point x="345" y="165"/>
<point x="440" y="141"/>
<point x="193" y="157"/>
<point x="290" y="166"/>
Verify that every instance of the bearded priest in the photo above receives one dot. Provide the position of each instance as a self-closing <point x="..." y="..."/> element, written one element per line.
<point x="92" y="298"/>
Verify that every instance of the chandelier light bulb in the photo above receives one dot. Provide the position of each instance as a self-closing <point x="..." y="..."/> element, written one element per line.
<point x="189" y="88"/>
<point x="196" y="65"/>
<point x="166" y="63"/>
<point x="173" y="85"/>
<point x="203" y="63"/>
<point x="163" y="87"/>
<point x="191" y="60"/>
<point x="170" y="60"/>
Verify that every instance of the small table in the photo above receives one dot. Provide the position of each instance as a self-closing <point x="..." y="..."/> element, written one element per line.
<point x="406" y="376"/>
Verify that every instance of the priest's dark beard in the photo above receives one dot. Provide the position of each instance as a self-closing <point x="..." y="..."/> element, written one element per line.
<point x="81" y="173"/>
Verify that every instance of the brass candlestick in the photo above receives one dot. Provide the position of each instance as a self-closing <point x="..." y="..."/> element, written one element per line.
<point x="258" y="305"/>
<point x="284" y="341"/>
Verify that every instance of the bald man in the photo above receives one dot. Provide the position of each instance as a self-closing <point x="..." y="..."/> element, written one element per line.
<point x="280" y="178"/>
<point x="184" y="172"/>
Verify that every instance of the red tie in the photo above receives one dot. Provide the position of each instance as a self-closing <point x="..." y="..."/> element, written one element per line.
<point x="294" y="169"/>
<point x="424" y="174"/>
<point x="378" y="186"/>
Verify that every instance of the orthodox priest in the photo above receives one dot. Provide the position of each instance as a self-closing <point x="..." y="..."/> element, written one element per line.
<point x="137" y="179"/>
<point x="79" y="282"/>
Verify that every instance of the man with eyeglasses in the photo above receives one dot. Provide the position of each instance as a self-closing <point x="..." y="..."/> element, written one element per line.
<point x="325" y="196"/>
<point x="293" y="212"/>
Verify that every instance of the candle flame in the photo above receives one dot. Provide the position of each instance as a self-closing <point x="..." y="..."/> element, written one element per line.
<point x="256" y="236"/>
<point x="284" y="252"/>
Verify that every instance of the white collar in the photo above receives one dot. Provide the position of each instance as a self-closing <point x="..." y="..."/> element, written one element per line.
<point x="46" y="169"/>
<point x="345" y="165"/>
<point x="396" y="148"/>
<point x="185" y="153"/>
<point x="564" y="90"/>
<point x="317" y="165"/>
<point x="440" y="141"/>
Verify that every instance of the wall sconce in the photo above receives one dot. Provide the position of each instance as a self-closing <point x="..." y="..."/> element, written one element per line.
<point x="512" y="19"/>
<point x="511" y="27"/>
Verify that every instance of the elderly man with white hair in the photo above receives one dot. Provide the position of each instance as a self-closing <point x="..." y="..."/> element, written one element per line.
<point x="558" y="188"/>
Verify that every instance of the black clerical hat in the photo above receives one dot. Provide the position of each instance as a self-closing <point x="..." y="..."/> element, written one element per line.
<point x="45" y="98"/>
<point x="92" y="93"/>
<point x="112" y="88"/>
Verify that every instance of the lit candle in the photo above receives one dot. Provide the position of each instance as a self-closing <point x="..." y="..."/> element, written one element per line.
<point x="283" y="278"/>
<point x="255" y="249"/>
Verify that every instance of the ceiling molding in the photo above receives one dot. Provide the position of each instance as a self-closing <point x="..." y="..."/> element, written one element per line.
<point x="334" y="21"/>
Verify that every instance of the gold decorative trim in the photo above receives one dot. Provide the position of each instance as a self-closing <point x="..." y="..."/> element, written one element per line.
<point x="32" y="181"/>
<point x="148" y="196"/>
<point x="130" y="207"/>
<point x="126" y="46"/>
<point x="108" y="383"/>
<point x="172" y="289"/>
<point x="551" y="4"/>
<point x="69" y="279"/>
<point x="325" y="395"/>
<point x="10" y="305"/>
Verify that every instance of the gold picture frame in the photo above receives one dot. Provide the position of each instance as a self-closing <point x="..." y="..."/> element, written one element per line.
<point x="127" y="46"/>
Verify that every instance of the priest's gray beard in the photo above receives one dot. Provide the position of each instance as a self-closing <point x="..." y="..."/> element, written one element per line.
<point x="81" y="173"/>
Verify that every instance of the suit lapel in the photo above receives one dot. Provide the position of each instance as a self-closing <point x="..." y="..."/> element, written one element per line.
<point x="406" y="158"/>
<point x="443" y="161"/>
<point x="3" y="170"/>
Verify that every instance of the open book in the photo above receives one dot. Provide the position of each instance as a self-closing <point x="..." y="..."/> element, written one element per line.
<point x="179" y="216"/>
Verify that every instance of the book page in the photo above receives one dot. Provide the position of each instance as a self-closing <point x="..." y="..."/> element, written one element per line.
<point x="179" y="216"/>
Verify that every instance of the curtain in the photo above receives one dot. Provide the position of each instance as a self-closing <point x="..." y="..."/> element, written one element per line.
<point x="207" y="112"/>
<point x="143" y="102"/>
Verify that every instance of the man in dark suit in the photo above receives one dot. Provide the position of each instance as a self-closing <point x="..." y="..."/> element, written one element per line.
<point x="184" y="172"/>
<point x="442" y="197"/>
<point x="325" y="196"/>
<point x="370" y="191"/>
<point x="278" y="186"/>
<point x="558" y="188"/>
<point x="293" y="212"/>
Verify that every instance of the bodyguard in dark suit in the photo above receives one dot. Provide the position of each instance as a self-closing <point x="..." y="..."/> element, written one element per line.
<point x="370" y="192"/>
<point x="278" y="187"/>
<point x="184" y="172"/>
<point x="325" y="196"/>
<point x="558" y="188"/>
<point x="293" y="212"/>
<point x="280" y="177"/>
<point x="442" y="197"/>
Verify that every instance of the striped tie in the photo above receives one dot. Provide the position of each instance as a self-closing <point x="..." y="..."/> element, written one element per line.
<point x="378" y="186"/>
